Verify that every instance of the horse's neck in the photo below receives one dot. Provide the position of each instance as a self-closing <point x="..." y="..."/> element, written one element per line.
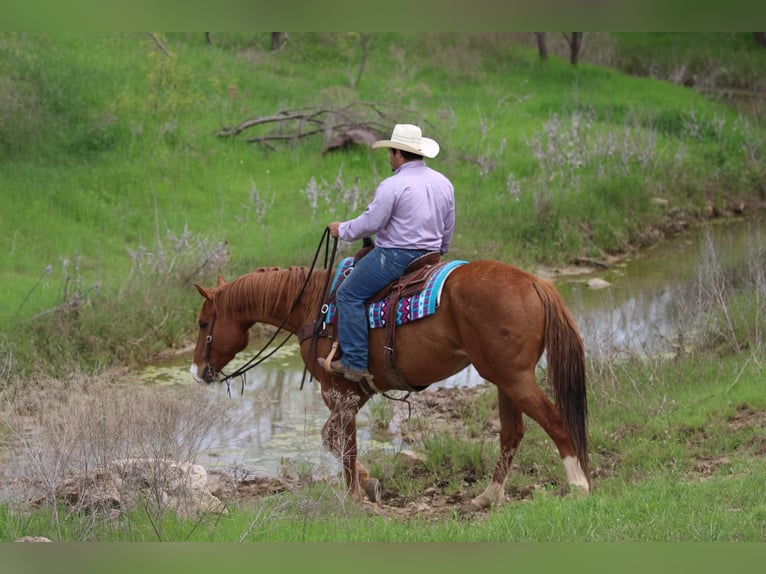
<point x="288" y="296"/>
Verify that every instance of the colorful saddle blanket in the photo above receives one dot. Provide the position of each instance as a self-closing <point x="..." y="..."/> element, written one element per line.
<point x="411" y="308"/>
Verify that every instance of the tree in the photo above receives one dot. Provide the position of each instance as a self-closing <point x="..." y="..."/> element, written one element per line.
<point x="364" y="41"/>
<point x="541" y="46"/>
<point x="760" y="38"/>
<point x="575" y="43"/>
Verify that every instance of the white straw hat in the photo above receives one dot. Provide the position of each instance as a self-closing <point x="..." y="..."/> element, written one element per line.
<point x="410" y="138"/>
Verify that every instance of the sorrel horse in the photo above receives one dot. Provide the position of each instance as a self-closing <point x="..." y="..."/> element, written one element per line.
<point x="492" y="315"/>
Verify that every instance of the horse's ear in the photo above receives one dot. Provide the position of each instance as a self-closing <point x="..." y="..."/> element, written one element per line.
<point x="221" y="281"/>
<point x="204" y="292"/>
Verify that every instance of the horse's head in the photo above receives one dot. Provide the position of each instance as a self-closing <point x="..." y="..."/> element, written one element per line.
<point x="221" y="337"/>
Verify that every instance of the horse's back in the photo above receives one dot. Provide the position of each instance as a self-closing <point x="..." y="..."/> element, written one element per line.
<point x="489" y="283"/>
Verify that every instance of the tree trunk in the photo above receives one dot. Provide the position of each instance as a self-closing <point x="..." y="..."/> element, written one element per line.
<point x="364" y="41"/>
<point x="541" y="46"/>
<point x="277" y="40"/>
<point x="760" y="38"/>
<point x="575" y="43"/>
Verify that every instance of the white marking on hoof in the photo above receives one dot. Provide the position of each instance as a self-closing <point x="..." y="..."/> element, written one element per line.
<point x="575" y="474"/>
<point x="493" y="495"/>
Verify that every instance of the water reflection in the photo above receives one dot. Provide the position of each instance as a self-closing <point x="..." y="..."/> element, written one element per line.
<point x="641" y="312"/>
<point x="628" y="322"/>
<point x="272" y="422"/>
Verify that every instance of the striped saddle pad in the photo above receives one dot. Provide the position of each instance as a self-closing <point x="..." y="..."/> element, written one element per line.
<point x="410" y="308"/>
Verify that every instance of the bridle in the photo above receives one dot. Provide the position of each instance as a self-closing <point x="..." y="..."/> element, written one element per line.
<point x="209" y="369"/>
<point x="257" y="359"/>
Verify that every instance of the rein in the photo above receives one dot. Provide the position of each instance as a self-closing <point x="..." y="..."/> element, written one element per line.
<point x="329" y="265"/>
<point x="257" y="359"/>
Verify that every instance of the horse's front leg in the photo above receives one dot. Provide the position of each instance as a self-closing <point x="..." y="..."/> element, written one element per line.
<point x="339" y="436"/>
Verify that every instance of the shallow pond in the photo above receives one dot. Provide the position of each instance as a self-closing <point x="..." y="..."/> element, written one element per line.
<point x="639" y="312"/>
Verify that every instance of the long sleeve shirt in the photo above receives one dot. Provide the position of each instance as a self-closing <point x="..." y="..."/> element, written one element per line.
<point x="412" y="209"/>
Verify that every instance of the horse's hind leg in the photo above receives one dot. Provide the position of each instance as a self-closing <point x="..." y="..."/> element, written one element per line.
<point x="538" y="407"/>
<point x="511" y="433"/>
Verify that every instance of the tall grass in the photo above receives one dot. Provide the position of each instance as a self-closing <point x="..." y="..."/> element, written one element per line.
<point x="730" y="300"/>
<point x="92" y="328"/>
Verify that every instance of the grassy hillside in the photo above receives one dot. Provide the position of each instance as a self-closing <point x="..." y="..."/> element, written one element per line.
<point x="117" y="194"/>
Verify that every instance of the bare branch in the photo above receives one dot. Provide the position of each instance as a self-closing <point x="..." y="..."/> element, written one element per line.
<point x="159" y="43"/>
<point x="355" y="123"/>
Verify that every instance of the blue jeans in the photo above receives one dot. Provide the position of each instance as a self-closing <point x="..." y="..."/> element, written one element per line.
<point x="370" y="274"/>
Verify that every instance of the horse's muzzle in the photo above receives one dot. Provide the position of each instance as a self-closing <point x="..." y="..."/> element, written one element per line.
<point x="208" y="375"/>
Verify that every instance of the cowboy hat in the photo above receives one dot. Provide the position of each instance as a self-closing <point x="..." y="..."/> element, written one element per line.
<point x="409" y="138"/>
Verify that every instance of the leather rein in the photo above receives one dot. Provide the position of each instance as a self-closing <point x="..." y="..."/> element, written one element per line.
<point x="260" y="357"/>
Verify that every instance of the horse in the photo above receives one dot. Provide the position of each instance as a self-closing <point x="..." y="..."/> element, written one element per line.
<point x="492" y="315"/>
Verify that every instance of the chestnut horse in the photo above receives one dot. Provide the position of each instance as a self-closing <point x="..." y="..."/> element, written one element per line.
<point x="492" y="315"/>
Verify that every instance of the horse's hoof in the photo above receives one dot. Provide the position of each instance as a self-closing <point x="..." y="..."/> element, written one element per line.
<point x="373" y="489"/>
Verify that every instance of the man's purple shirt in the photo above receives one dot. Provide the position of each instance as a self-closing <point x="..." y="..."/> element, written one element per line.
<point x="412" y="209"/>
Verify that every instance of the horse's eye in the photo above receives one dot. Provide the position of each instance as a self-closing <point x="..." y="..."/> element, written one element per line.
<point x="203" y="326"/>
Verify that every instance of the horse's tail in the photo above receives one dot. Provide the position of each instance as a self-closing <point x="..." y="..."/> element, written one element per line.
<point x="566" y="368"/>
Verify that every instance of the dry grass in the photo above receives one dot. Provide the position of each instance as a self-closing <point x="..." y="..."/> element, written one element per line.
<point x="63" y="430"/>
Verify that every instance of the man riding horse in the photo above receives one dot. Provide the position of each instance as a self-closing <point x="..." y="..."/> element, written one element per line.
<point x="411" y="215"/>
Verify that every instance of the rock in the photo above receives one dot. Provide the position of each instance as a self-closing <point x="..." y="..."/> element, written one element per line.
<point x="221" y="485"/>
<point x="410" y="458"/>
<point x="597" y="283"/>
<point x="180" y="487"/>
<point x="33" y="539"/>
<point x="418" y="507"/>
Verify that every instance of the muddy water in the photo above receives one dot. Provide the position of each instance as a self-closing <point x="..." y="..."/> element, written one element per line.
<point x="271" y="422"/>
<point x="275" y="424"/>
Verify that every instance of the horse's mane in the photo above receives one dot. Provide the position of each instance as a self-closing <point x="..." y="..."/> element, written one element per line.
<point x="255" y="291"/>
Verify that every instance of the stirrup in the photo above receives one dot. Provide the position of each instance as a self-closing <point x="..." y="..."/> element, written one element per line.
<point x="328" y="359"/>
